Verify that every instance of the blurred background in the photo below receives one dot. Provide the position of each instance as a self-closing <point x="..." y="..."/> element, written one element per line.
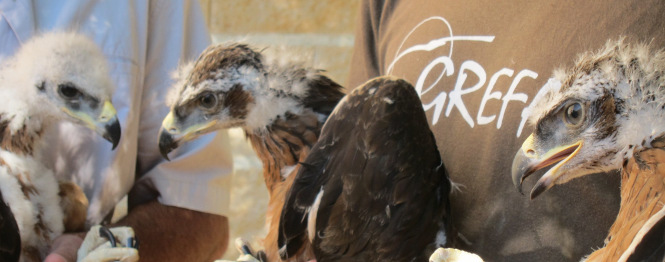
<point x="320" y="32"/>
<point x="322" y="29"/>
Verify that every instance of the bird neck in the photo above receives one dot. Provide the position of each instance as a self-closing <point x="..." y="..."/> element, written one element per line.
<point x="269" y="107"/>
<point x="639" y="101"/>
<point x="640" y="127"/>
<point x="284" y="143"/>
<point x="19" y="135"/>
<point x="642" y="187"/>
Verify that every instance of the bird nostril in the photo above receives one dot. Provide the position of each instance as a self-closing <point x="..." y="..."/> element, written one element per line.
<point x="172" y="130"/>
<point x="530" y="152"/>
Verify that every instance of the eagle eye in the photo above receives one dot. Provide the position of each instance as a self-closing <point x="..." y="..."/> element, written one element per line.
<point x="208" y="101"/>
<point x="68" y="91"/>
<point x="574" y="114"/>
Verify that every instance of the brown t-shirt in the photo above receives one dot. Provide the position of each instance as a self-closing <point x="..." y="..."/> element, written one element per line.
<point x="477" y="64"/>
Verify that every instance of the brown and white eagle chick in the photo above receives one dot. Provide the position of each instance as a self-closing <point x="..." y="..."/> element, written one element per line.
<point x="281" y="106"/>
<point x="53" y="77"/>
<point x="601" y="114"/>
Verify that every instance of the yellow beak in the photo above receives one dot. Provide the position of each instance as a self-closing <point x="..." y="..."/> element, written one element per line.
<point x="171" y="135"/>
<point x="527" y="161"/>
<point x="106" y="124"/>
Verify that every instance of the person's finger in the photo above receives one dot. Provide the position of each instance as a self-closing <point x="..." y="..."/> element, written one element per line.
<point x="53" y="257"/>
<point x="64" y="248"/>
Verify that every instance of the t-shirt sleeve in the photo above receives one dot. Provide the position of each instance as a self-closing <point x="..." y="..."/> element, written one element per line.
<point x="199" y="171"/>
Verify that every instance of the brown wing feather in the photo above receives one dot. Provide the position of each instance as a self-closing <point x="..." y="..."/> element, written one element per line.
<point x="275" y="205"/>
<point x="287" y="143"/>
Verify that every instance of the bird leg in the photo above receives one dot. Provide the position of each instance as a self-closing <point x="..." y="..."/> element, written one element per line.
<point x="74" y="205"/>
<point x="109" y="244"/>
<point x="247" y="253"/>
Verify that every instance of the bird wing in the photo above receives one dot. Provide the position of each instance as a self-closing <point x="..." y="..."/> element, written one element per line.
<point x="10" y="242"/>
<point x="649" y="244"/>
<point x="323" y="94"/>
<point x="373" y="182"/>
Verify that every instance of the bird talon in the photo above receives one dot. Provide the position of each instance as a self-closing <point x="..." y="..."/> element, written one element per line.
<point x="244" y="247"/>
<point x="261" y="256"/>
<point x="133" y="242"/>
<point x="106" y="233"/>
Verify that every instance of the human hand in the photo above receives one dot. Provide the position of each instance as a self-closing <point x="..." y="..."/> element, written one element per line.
<point x="114" y="244"/>
<point x="64" y="248"/>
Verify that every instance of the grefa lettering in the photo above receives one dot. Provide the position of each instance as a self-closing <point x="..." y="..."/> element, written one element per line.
<point x="484" y="120"/>
<point x="512" y="96"/>
<point x="458" y="92"/>
<point x="440" y="99"/>
<point x="445" y="67"/>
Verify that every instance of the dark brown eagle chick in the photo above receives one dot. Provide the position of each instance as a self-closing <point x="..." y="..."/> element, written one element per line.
<point x="374" y="187"/>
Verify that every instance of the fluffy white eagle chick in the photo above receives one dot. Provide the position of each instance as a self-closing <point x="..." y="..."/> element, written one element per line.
<point x="53" y="77"/>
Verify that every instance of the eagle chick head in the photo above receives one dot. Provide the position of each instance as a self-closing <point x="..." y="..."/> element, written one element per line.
<point x="591" y="117"/>
<point x="59" y="76"/>
<point x="231" y="85"/>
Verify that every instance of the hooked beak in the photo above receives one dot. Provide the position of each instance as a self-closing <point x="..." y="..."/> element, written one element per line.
<point x="527" y="161"/>
<point x="112" y="133"/>
<point x="171" y="136"/>
<point x="167" y="143"/>
<point x="106" y="124"/>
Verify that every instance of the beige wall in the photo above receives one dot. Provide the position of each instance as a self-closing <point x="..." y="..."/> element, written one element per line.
<point x="323" y="31"/>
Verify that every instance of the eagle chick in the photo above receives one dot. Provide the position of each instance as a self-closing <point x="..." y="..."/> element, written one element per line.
<point x="52" y="77"/>
<point x="281" y="107"/>
<point x="605" y="113"/>
<point x="374" y="187"/>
